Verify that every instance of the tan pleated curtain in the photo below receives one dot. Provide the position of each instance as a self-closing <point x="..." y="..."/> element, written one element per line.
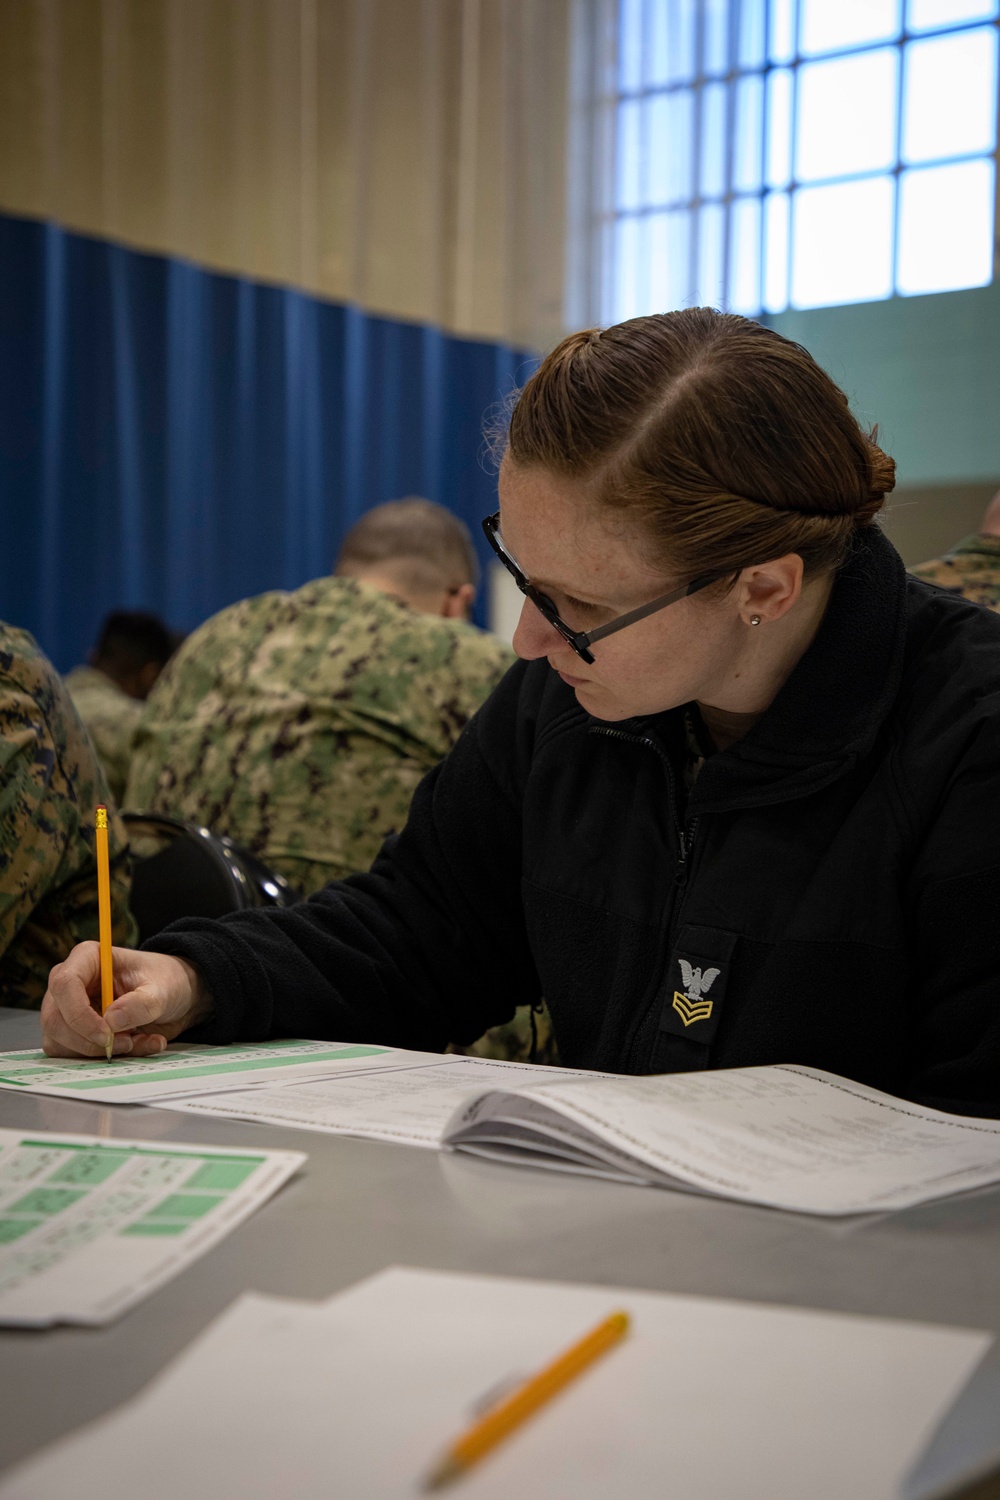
<point x="407" y="155"/>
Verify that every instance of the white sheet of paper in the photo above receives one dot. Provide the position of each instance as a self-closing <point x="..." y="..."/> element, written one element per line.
<point x="790" y="1137"/>
<point x="90" y="1225"/>
<point x="187" y="1068"/>
<point x="357" y="1397"/>
<point x="409" y="1104"/>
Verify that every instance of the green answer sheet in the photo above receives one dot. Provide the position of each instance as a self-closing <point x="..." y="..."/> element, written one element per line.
<point x="90" y="1225"/>
<point x="185" y="1068"/>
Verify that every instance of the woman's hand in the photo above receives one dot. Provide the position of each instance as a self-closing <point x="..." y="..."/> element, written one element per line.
<point x="156" y="998"/>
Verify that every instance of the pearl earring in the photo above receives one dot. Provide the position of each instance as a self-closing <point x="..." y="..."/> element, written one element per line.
<point x="755" y="619"/>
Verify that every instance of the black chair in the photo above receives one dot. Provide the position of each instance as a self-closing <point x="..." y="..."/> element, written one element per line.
<point x="181" y="870"/>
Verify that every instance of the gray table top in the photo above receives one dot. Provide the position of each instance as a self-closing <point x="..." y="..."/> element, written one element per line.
<point x="358" y="1206"/>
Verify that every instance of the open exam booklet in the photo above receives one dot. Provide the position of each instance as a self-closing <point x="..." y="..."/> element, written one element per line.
<point x="784" y="1136"/>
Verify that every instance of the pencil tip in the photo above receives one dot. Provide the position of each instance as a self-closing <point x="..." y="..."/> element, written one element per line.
<point x="446" y="1471"/>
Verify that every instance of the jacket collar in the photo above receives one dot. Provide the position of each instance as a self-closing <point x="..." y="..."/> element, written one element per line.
<point x="832" y="707"/>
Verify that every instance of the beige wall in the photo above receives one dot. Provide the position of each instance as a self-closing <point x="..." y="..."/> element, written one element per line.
<point x="408" y="155"/>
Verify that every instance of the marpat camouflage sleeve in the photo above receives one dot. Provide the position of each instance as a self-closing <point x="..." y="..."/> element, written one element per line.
<point x="971" y="568"/>
<point x="50" y="783"/>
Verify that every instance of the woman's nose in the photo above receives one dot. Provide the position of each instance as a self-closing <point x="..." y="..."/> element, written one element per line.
<point x="534" y="635"/>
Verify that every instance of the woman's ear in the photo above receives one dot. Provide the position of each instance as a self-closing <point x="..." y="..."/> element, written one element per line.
<point x="767" y="591"/>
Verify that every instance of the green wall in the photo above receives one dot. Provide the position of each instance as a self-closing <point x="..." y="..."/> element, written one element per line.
<point x="927" y="370"/>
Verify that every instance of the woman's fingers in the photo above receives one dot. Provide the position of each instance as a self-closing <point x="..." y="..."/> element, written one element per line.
<point x="154" y="999"/>
<point x="70" y="1024"/>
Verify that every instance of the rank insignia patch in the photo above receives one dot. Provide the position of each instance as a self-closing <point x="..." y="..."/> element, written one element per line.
<point x="696" y="984"/>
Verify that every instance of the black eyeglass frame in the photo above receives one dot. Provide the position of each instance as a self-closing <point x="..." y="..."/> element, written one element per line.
<point x="582" y="640"/>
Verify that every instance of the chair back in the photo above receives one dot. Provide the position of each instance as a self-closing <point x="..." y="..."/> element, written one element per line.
<point x="183" y="870"/>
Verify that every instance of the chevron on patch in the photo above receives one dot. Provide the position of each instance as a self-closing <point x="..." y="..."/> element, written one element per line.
<point x="692" y="1010"/>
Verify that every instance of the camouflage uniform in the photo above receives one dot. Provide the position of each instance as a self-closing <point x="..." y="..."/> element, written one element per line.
<point x="110" y="717"/>
<point x="972" y="569"/>
<point x="300" y="724"/>
<point x="50" y="783"/>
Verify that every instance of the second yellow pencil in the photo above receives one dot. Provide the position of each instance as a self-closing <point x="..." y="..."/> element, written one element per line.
<point x="526" y="1400"/>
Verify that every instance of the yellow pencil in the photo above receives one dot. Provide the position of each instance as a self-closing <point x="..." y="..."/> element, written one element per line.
<point x="104" y="916"/>
<point x="525" y="1401"/>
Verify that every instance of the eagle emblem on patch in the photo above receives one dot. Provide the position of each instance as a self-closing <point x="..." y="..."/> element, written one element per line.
<point x="690" y="1004"/>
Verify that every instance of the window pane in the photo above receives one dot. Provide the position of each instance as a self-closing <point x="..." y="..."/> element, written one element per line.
<point x="744" y="256"/>
<point x="779" y="128"/>
<point x="629" y="291"/>
<point x="713" y="140"/>
<point x="752" y="49"/>
<point x="842" y="243"/>
<point x="833" y="27"/>
<point x="946" y="228"/>
<point x="711" y="229"/>
<point x="669" y="261"/>
<point x="629" y="44"/>
<point x="847" y="115"/>
<point x="671" y="41"/>
<point x="628" y="172"/>
<point x="950" y="98"/>
<point x="781" y="43"/>
<point x="776" y="252"/>
<point x="670" y="146"/>
<point x="716" y="45"/>
<point x="747" y="136"/>
<point x="925" y="15"/>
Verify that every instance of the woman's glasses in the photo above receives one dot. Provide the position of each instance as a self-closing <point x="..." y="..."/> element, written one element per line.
<point x="581" y="640"/>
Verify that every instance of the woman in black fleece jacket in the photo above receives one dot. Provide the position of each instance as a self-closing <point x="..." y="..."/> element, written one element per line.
<point x="738" y="803"/>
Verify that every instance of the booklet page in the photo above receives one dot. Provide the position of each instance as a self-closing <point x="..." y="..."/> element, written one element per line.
<point x="91" y="1225"/>
<point x="790" y="1137"/>
<point x="410" y="1105"/>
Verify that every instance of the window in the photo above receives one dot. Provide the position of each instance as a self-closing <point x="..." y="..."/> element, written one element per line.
<point x="800" y="153"/>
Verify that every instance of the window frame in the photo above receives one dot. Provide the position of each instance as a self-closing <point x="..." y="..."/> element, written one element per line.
<point x="609" y="95"/>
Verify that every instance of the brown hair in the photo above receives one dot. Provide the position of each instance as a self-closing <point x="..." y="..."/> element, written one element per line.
<point x="420" y="543"/>
<point x="726" y="441"/>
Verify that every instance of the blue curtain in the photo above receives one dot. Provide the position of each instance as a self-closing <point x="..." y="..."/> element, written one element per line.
<point x="173" y="439"/>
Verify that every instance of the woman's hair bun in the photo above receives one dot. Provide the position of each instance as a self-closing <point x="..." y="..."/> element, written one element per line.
<point x="882" y="480"/>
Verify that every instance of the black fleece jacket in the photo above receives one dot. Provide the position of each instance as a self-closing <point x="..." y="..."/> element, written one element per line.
<point x="839" y="868"/>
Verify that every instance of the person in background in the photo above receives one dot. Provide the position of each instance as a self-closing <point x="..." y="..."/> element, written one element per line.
<point x="50" y="784"/>
<point x="300" y="723"/>
<point x="131" y="652"/>
<point x="972" y="567"/>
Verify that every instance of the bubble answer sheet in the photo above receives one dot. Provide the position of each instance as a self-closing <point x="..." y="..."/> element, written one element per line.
<point x="190" y="1068"/>
<point x="356" y="1398"/>
<point x="89" y="1225"/>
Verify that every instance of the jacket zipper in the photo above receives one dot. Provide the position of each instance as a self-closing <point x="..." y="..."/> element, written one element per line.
<point x="685" y="843"/>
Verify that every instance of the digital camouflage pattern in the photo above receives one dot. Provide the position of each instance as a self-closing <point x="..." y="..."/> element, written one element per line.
<point x="50" y="784"/>
<point x="299" y="724"/>
<point x="972" y="569"/>
<point x="110" y="717"/>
